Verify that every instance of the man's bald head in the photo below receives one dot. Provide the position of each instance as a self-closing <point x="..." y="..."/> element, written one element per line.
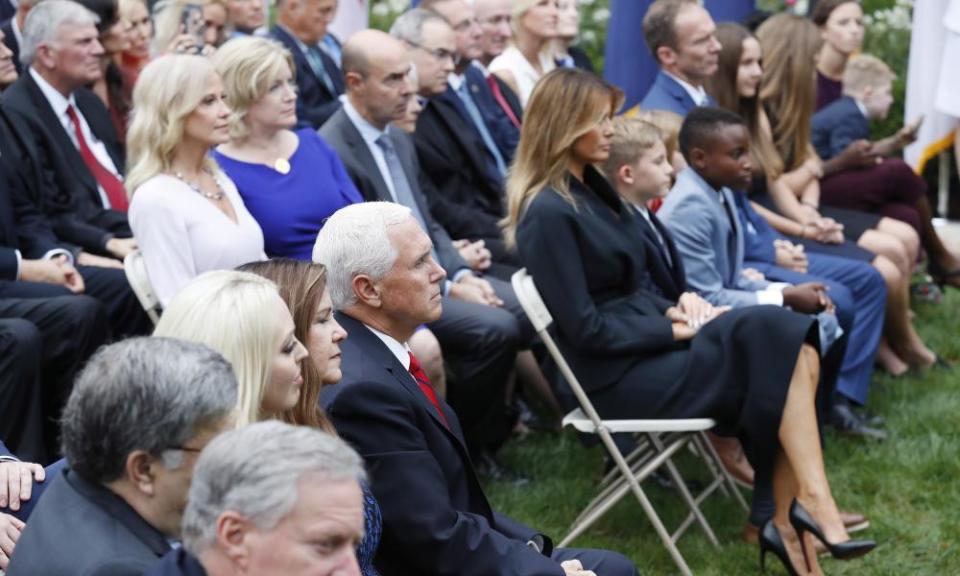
<point x="366" y="47"/>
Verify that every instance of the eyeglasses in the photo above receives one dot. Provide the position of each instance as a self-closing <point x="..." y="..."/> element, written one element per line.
<point x="440" y="54"/>
<point x="186" y="449"/>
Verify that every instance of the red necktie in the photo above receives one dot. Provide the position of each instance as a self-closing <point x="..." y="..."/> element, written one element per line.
<point x="424" y="383"/>
<point x="498" y="96"/>
<point x="116" y="193"/>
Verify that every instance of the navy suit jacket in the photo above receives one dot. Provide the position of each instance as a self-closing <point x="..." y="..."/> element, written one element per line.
<point x="315" y="103"/>
<point x="11" y="41"/>
<point x="340" y="133"/>
<point x="436" y="518"/>
<point x="835" y="126"/>
<point x="667" y="277"/>
<point x="66" y="191"/>
<point x="82" y="529"/>
<point x="667" y="94"/>
<point x="504" y="133"/>
<point x="464" y="196"/>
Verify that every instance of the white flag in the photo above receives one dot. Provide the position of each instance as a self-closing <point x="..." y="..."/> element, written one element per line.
<point x="934" y="53"/>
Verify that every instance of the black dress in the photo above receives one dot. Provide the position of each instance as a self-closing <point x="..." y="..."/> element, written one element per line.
<point x="588" y="266"/>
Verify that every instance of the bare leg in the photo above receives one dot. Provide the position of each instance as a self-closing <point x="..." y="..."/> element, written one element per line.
<point x="889" y="247"/>
<point x="800" y="440"/>
<point x="905" y="234"/>
<point x="427" y="350"/>
<point x="531" y="377"/>
<point x="889" y="361"/>
<point x="903" y="339"/>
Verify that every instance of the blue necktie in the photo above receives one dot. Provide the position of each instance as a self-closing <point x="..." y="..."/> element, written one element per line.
<point x="464" y="93"/>
<point x="403" y="194"/>
<point x="315" y="59"/>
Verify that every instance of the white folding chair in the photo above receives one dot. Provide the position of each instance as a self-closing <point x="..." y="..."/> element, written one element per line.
<point x="657" y="440"/>
<point x="136" y="271"/>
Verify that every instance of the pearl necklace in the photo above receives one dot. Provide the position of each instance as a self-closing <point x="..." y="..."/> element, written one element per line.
<point x="218" y="195"/>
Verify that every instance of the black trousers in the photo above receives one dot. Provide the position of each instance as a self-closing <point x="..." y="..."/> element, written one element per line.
<point x="108" y="285"/>
<point x="481" y="342"/>
<point x="43" y="343"/>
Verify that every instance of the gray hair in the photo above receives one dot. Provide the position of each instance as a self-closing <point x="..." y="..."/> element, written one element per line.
<point x="409" y="25"/>
<point x="354" y="241"/>
<point x="150" y="394"/>
<point x="43" y="23"/>
<point x="254" y="471"/>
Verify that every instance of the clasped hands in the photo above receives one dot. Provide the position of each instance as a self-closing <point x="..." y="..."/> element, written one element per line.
<point x="16" y="485"/>
<point x="690" y="314"/>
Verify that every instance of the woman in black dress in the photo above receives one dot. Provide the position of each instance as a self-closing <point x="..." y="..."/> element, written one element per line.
<point x="753" y="370"/>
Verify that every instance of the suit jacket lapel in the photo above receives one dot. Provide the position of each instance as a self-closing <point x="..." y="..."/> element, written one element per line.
<point x="679" y="276"/>
<point x="737" y="254"/>
<point x="677" y="91"/>
<point x="363" y="156"/>
<point x="454" y="115"/>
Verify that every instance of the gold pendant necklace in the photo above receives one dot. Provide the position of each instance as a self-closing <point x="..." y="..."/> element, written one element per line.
<point x="281" y="165"/>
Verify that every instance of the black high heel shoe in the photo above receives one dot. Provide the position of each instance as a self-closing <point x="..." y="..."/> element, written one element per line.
<point x="802" y="522"/>
<point x="770" y="541"/>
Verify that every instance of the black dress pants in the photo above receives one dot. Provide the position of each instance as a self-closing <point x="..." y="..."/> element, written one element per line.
<point x="44" y="342"/>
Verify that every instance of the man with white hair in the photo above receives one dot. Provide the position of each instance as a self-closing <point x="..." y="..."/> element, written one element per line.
<point x="139" y="415"/>
<point x="385" y="283"/>
<point x="71" y="127"/>
<point x="271" y="498"/>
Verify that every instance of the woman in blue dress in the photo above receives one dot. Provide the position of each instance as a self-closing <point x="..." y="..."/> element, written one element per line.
<point x="302" y="285"/>
<point x="290" y="180"/>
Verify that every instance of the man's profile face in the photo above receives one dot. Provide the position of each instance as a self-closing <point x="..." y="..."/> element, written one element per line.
<point x="412" y="290"/>
<point x="495" y="22"/>
<point x="75" y="55"/>
<point x="698" y="50"/>
<point x="317" y="538"/>
<point x="434" y="57"/>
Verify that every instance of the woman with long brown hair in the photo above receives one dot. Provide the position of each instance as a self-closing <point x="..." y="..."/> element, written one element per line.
<point x="639" y="354"/>
<point x="303" y="287"/>
<point x="789" y="46"/>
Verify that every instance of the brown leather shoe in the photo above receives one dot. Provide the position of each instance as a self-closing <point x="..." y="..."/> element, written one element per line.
<point x="733" y="459"/>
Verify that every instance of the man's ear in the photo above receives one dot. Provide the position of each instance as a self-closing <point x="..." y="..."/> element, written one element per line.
<point x="367" y="291"/>
<point x="352" y="80"/>
<point x="140" y="471"/>
<point x="234" y="533"/>
<point x="44" y="56"/>
<point x="866" y="93"/>
<point x="625" y="174"/>
<point x="666" y="56"/>
<point x="697" y="158"/>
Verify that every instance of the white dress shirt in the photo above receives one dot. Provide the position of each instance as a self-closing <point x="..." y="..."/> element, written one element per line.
<point x="399" y="349"/>
<point x="60" y="104"/>
<point x="182" y="234"/>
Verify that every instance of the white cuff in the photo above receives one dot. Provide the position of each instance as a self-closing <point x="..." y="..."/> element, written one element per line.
<point x="770" y="296"/>
<point x="19" y="261"/>
<point x="9" y="459"/>
<point x="51" y="254"/>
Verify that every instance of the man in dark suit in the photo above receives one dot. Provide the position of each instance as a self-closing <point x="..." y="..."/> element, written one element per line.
<point x="483" y="325"/>
<point x="11" y="28"/>
<point x="70" y="129"/>
<point x="436" y="518"/>
<point x="301" y="26"/>
<point x="681" y="35"/>
<point x="116" y="507"/>
<point x="464" y="140"/>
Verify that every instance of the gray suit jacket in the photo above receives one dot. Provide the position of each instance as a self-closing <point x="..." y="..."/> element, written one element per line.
<point x="340" y="133"/>
<point x="701" y="229"/>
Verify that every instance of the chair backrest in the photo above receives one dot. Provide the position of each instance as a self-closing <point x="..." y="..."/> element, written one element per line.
<point x="136" y="271"/>
<point x="536" y="311"/>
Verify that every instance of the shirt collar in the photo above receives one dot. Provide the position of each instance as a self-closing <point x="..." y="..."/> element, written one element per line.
<point x="397" y="348"/>
<point x="53" y="96"/>
<point x="368" y="131"/>
<point x="456" y="81"/>
<point x="697" y="93"/>
<point x="479" y="66"/>
<point x="861" y="107"/>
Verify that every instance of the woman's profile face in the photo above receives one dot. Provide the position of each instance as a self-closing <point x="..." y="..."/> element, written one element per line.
<point x="541" y="19"/>
<point x="286" y="380"/>
<point x="593" y="147"/>
<point x="749" y="72"/>
<point x="277" y="107"/>
<point x="323" y="341"/>
<point x="140" y="29"/>
<point x="208" y="123"/>
<point x="116" y="38"/>
<point x="844" y="28"/>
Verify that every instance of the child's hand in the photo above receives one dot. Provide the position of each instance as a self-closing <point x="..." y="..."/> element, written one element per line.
<point x="859" y="154"/>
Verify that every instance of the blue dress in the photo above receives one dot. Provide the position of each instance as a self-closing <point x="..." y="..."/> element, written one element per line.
<point x="291" y="208"/>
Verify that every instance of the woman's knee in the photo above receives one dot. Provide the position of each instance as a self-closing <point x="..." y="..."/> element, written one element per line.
<point x="892" y="276"/>
<point x="904" y="233"/>
<point x="889" y="246"/>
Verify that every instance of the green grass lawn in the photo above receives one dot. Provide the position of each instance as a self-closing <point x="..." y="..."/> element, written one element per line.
<point x="909" y="485"/>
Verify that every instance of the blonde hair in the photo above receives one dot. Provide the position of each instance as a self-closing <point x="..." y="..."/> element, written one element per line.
<point x="865" y="71"/>
<point x="248" y="66"/>
<point x="166" y="23"/>
<point x="235" y="313"/>
<point x="668" y="123"/>
<point x="631" y="138"/>
<point x="789" y="44"/>
<point x="168" y="90"/>
<point x="565" y="105"/>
